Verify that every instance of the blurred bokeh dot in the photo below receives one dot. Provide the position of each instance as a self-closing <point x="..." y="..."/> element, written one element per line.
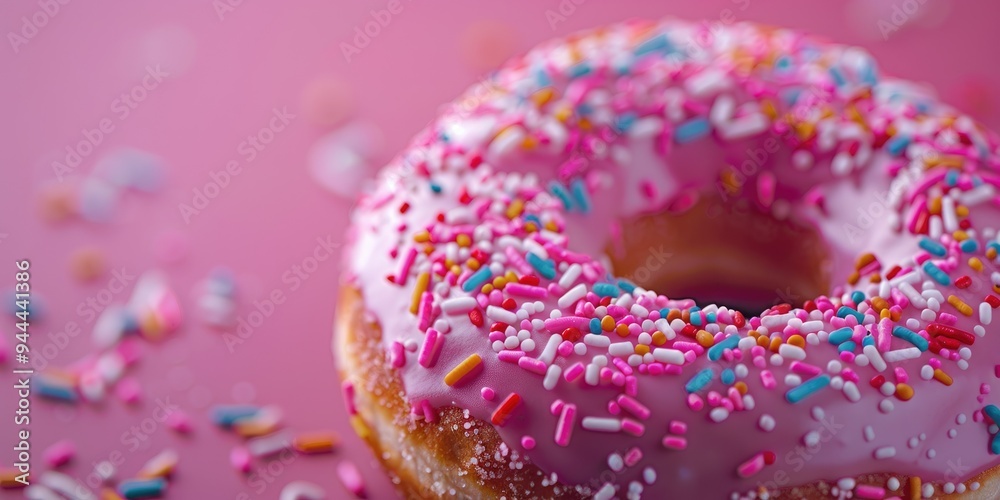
<point x="243" y="392"/>
<point x="180" y="378"/>
<point x="487" y="44"/>
<point x="200" y="397"/>
<point x="327" y="101"/>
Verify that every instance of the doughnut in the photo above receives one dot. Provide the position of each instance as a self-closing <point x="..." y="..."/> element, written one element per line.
<point x="681" y="260"/>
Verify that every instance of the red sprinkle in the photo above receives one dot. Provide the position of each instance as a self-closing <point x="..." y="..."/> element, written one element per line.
<point x="502" y="413"/>
<point x="476" y="317"/>
<point x="769" y="457"/>
<point x="571" y="334"/>
<point x="893" y="272"/>
<point x="951" y="332"/>
<point x="963" y="282"/>
<point x="528" y="279"/>
<point x="508" y="304"/>
<point x="993" y="301"/>
<point x="877" y="381"/>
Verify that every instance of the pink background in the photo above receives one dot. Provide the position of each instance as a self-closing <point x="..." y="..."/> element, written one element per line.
<point x="225" y="78"/>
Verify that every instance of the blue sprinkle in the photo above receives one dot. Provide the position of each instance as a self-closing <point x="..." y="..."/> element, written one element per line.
<point x="994" y="245"/>
<point x="869" y="74"/>
<point x="995" y="444"/>
<point x="933" y="247"/>
<point x="910" y="336"/>
<point x="142" y="488"/>
<point x="783" y="63"/>
<point x="897" y="145"/>
<point x="845" y="311"/>
<point x="840" y="336"/>
<point x="868" y="340"/>
<point x="545" y="267"/>
<point x="969" y="246"/>
<point x="993" y="412"/>
<point x="435" y="187"/>
<point x="711" y="317"/>
<point x="52" y="390"/>
<point x="691" y="130"/>
<point x="542" y="77"/>
<point x="626" y="285"/>
<point x="560" y="192"/>
<point x="791" y="96"/>
<point x="533" y="218"/>
<point x="227" y="415"/>
<point x="807" y="388"/>
<point x="936" y="273"/>
<point x="730" y="342"/>
<point x="595" y="326"/>
<point x="951" y="178"/>
<point x="659" y="43"/>
<point x="664" y="312"/>
<point x="848" y="346"/>
<point x="477" y="279"/>
<point x="858" y="297"/>
<point x="695" y="319"/>
<point x="728" y="376"/>
<point x="606" y="290"/>
<point x="838" y="77"/>
<point x="624" y="122"/>
<point x="578" y="70"/>
<point x="584" y="109"/>
<point x="580" y="195"/>
<point x="700" y="380"/>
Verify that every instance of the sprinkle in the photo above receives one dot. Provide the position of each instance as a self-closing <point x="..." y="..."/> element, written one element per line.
<point x="669" y="356"/>
<point x="268" y="445"/>
<point x="715" y="352"/>
<point x="58" y="454"/>
<point x="599" y="424"/>
<point x="902" y="354"/>
<point x="699" y="381"/>
<point x="674" y="442"/>
<point x="351" y="478"/>
<point x="477" y="279"/>
<point x="464" y="371"/>
<point x="840" y="336"/>
<point x="951" y="332"/>
<point x="227" y="415"/>
<point x="545" y="267"/>
<point x="161" y="465"/>
<point x="933" y="247"/>
<point x="321" y="442"/>
<point x="564" y="427"/>
<point x="910" y="336"/>
<point x="845" y="311"/>
<point x="580" y="196"/>
<point x="691" y="130"/>
<point x="942" y="377"/>
<point x="302" y="490"/>
<point x="807" y="388"/>
<point x="962" y="307"/>
<point x="142" y="488"/>
<point x="936" y="273"/>
<point x="752" y="466"/>
<point x="430" y="349"/>
<point x="884" y="452"/>
<point x="458" y="305"/>
<point x="240" y="459"/>
<point x="506" y="408"/>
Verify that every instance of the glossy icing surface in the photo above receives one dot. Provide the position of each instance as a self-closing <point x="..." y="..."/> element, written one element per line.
<point x="479" y="253"/>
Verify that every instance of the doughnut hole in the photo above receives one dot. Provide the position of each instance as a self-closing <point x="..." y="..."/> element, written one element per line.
<point x="725" y="253"/>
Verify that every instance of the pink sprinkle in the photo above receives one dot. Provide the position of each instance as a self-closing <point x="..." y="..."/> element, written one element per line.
<point x="347" y="389"/>
<point x="901" y="375"/>
<point x="59" y="454"/>
<point x="430" y="349"/>
<point x="633" y="406"/>
<point x="509" y="356"/>
<point x="557" y="325"/>
<point x="425" y="310"/>
<point x="632" y="385"/>
<point x="239" y="458"/>
<point x="129" y="390"/>
<point x="804" y="368"/>
<point x="695" y="402"/>
<point x="398" y="355"/>
<point x="532" y="365"/>
<point x="869" y="491"/>
<point x="404" y="266"/>
<point x="752" y="466"/>
<point x="534" y="292"/>
<point x="564" y="427"/>
<point x="767" y="379"/>
<point x="351" y="477"/>
<point x="428" y="411"/>
<point x="488" y="393"/>
<point x="179" y="422"/>
<point x="528" y="442"/>
<point x="632" y="456"/>
<point x="883" y="337"/>
<point x="674" y="442"/>
<point x="633" y="427"/>
<point x="614" y="408"/>
<point x="574" y="372"/>
<point x="556" y="407"/>
<point x="677" y="427"/>
<point x="565" y="348"/>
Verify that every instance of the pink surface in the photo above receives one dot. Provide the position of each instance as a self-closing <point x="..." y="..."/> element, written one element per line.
<point x="225" y="79"/>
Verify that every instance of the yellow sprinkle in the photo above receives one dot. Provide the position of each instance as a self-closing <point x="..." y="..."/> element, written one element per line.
<point x="563" y="113"/>
<point x="510" y="277"/>
<point x="515" y="208"/>
<point x="499" y="282"/>
<point x="879" y="304"/>
<point x="704" y="338"/>
<point x="530" y="227"/>
<point x="428" y="249"/>
<point x="962" y="211"/>
<point x="960" y="235"/>
<point x="942" y="377"/>
<point x="254" y="429"/>
<point x="934" y="207"/>
<point x="641" y="349"/>
<point x="543" y="96"/>
<point x="472" y="264"/>
<point x="422" y="237"/>
<point x="551" y="226"/>
<point x="962" y="307"/>
<point x="976" y="264"/>
<point x="422" y="281"/>
<point x="456" y="270"/>
<point x="768" y="108"/>
<point x="360" y="427"/>
<point x="463" y="240"/>
<point x="884" y="314"/>
<point x="462" y="369"/>
<point x="487" y="288"/>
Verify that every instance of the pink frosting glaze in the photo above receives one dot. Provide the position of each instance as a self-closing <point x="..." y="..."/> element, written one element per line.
<point x="535" y="167"/>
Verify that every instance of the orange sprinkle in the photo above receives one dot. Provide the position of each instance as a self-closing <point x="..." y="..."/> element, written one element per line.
<point x="976" y="264"/>
<point x="621" y="330"/>
<point x="641" y="349"/>
<point x="472" y="264"/>
<point x="607" y="323"/>
<point x="904" y="392"/>
<point x="515" y="208"/>
<point x="464" y="369"/>
<point x="422" y="282"/>
<point x="741" y="386"/>
<point x="797" y="341"/>
<point x="422" y="237"/>
<point x="659" y="338"/>
<point x="8" y="479"/>
<point x="962" y="307"/>
<point x="775" y="343"/>
<point x="323" y="442"/>
<point x="942" y="377"/>
<point x="463" y="240"/>
<point x="704" y="338"/>
<point x="763" y="341"/>
<point x="915" y="492"/>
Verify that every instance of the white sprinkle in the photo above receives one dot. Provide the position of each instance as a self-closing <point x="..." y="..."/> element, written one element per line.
<point x="551" y="377"/>
<point x="875" y="358"/>
<point x="592" y="374"/>
<point x="596" y="340"/>
<point x="886" y="406"/>
<point x="669" y="356"/>
<point x="985" y="313"/>
<point x="607" y="492"/>
<point x="869" y="433"/>
<point x="746" y="126"/>
<point x="616" y="462"/>
<point x="621" y="349"/>
<point x="817" y="413"/>
<point x="766" y="423"/>
<point x="39" y="492"/>
<point x="789" y="351"/>
<point x="911" y="293"/>
<point x="599" y="424"/>
<point x="892" y="484"/>
<point x="66" y="486"/>
<point x="500" y="314"/>
<point x="811" y="439"/>
<point x="926" y="372"/>
<point x="570" y="276"/>
<point x="718" y="414"/>
<point x="902" y="354"/>
<point x="846" y="484"/>
<point x="885" y="452"/>
<point x="948" y="215"/>
<point x="649" y="475"/>
<point x="551" y="348"/>
<point x="458" y="305"/>
<point x="852" y="392"/>
<point x="302" y="490"/>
